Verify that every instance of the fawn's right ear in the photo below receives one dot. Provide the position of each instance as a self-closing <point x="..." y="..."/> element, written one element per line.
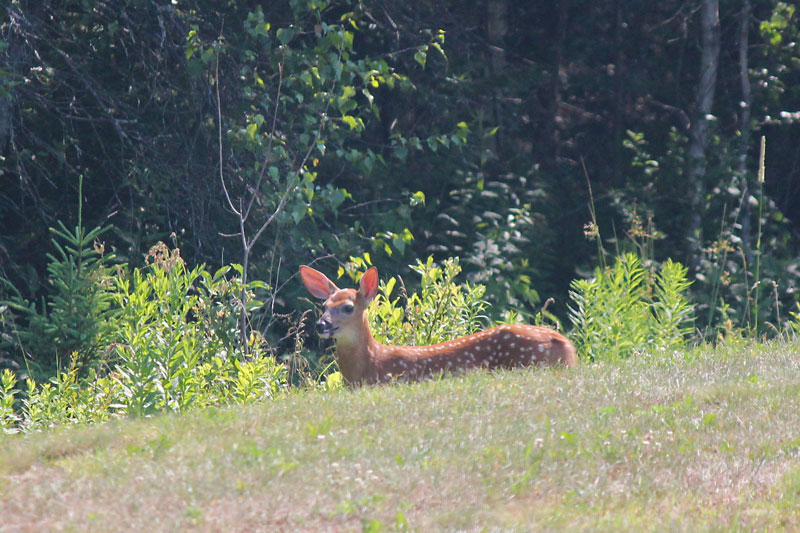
<point x="317" y="283"/>
<point x="368" y="286"/>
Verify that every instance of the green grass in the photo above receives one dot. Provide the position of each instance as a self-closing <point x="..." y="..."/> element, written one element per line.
<point x="708" y="440"/>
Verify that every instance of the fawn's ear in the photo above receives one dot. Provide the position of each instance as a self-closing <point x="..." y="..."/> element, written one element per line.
<point x="317" y="283"/>
<point x="368" y="286"/>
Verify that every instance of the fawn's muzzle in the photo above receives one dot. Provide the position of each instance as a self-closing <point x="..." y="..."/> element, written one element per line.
<point x="325" y="328"/>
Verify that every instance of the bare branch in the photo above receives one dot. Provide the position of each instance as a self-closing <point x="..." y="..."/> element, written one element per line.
<point x="269" y="144"/>
<point x="297" y="173"/>
<point x="219" y="136"/>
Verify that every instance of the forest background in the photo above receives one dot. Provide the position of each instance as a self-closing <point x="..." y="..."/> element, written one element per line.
<point x="533" y="140"/>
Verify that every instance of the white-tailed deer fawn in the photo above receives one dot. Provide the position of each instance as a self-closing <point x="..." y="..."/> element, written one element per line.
<point x="364" y="360"/>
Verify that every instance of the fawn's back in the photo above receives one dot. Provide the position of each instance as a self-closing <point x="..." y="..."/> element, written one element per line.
<point x="364" y="360"/>
<point x="507" y="346"/>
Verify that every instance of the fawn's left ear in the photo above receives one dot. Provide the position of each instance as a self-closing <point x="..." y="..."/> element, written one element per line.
<point x="317" y="283"/>
<point x="368" y="286"/>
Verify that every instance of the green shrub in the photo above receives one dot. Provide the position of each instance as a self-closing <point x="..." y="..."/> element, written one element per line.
<point x="75" y="317"/>
<point x="67" y="399"/>
<point x="8" y="418"/>
<point x="625" y="310"/>
<point x="441" y="311"/>
<point x="177" y="343"/>
<point x="794" y="324"/>
<point x="172" y="345"/>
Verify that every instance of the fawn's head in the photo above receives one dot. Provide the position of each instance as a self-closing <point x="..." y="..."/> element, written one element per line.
<point x="344" y="308"/>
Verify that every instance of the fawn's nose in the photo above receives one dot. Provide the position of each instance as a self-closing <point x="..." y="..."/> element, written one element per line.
<point x="325" y="328"/>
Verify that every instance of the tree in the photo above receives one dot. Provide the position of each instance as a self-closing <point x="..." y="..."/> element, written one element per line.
<point x="700" y="131"/>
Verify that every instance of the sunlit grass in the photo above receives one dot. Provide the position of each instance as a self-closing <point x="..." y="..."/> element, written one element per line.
<point x="704" y="440"/>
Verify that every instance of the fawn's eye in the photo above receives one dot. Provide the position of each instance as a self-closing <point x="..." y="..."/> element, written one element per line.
<point x="348" y="308"/>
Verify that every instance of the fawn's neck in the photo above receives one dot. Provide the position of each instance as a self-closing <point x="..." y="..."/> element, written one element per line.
<point x="356" y="352"/>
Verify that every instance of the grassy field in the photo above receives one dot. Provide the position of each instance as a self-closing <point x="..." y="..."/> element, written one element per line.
<point x="708" y="440"/>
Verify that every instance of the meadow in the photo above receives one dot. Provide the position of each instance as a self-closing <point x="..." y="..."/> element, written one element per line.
<point x="158" y="365"/>
<point x="693" y="440"/>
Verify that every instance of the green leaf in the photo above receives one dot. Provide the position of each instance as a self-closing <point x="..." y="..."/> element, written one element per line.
<point x="370" y="98"/>
<point x="398" y="243"/>
<point x="348" y="91"/>
<point x="251" y="131"/>
<point x="390" y="283"/>
<point x="220" y="272"/>
<point x="336" y="197"/>
<point x="439" y="48"/>
<point x="285" y="35"/>
<point x="299" y="212"/>
<point x="350" y="121"/>
<point x="421" y="55"/>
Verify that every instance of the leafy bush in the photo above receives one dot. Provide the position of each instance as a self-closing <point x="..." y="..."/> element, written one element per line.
<point x="172" y="344"/>
<point x="625" y="310"/>
<point x="8" y="418"/>
<point x="441" y="311"/>
<point x="67" y="399"/>
<point x="177" y="344"/>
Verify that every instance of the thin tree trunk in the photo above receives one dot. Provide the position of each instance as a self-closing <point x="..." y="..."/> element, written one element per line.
<point x="8" y="64"/>
<point x="555" y="138"/>
<point x="496" y="30"/>
<point x="744" y="128"/>
<point x="5" y="123"/>
<point x="619" y="87"/>
<point x="699" y="135"/>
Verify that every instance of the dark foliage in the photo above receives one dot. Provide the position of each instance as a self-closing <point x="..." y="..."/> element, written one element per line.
<point x="501" y="128"/>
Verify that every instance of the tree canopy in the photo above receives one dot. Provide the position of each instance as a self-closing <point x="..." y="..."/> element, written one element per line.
<point x="505" y="133"/>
